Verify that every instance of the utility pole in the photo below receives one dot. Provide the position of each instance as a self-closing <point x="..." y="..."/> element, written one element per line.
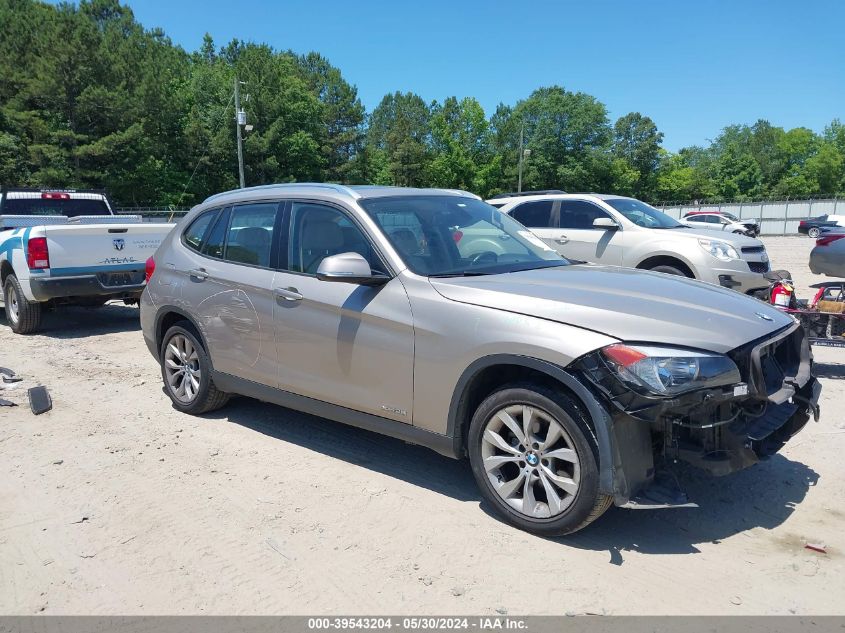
<point x="240" y="119"/>
<point x="521" y="134"/>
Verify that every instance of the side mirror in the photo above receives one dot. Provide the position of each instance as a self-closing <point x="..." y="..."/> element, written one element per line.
<point x="605" y="223"/>
<point x="349" y="268"/>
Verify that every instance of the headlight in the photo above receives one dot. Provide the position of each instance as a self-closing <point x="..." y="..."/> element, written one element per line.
<point x="669" y="371"/>
<point x="719" y="250"/>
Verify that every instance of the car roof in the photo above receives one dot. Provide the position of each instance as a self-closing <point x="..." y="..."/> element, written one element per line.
<point x="327" y="190"/>
<point x="559" y="196"/>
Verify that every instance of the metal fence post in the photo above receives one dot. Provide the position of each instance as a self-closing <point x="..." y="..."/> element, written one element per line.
<point x="785" y="216"/>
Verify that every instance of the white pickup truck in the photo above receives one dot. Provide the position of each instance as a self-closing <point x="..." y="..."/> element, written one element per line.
<point x="68" y="247"/>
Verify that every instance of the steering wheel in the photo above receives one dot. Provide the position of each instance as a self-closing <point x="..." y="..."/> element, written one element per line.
<point x="483" y="257"/>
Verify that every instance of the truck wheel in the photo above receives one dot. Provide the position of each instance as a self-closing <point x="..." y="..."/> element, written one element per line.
<point x="186" y="371"/>
<point x="535" y="460"/>
<point x="24" y="316"/>
<point x="814" y="232"/>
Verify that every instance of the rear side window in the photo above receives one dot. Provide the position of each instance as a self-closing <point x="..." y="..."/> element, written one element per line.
<point x="250" y="236"/>
<point x="195" y="233"/>
<point x="534" y="215"/>
<point x="579" y="214"/>
<point x="216" y="240"/>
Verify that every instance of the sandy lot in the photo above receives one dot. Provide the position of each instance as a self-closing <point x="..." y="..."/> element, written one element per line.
<point x="114" y="503"/>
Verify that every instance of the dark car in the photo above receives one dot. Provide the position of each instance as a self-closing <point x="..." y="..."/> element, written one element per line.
<point x="814" y="226"/>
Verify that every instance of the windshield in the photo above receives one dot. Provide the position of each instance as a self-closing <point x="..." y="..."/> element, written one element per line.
<point x="730" y="217"/>
<point x="69" y="207"/>
<point x="454" y="235"/>
<point x="643" y="214"/>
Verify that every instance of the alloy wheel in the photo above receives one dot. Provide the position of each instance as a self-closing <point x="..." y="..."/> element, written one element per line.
<point x="531" y="461"/>
<point x="182" y="368"/>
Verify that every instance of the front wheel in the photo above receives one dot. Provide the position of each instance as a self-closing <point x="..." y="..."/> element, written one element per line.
<point x="24" y="316"/>
<point x="814" y="232"/>
<point x="669" y="270"/>
<point x="535" y="460"/>
<point x="186" y="371"/>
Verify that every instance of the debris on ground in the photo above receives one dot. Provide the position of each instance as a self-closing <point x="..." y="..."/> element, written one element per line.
<point x="39" y="400"/>
<point x="816" y="547"/>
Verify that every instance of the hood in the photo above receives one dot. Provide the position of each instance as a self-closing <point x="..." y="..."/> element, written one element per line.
<point x="627" y="304"/>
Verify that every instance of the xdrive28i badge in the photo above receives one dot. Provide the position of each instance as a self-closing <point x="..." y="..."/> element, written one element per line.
<point x="118" y="244"/>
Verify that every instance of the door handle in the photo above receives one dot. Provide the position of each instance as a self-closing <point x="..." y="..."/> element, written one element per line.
<point x="198" y="273"/>
<point x="288" y="294"/>
<point x="562" y="239"/>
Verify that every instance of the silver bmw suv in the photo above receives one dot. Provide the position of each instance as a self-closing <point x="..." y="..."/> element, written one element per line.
<point x="430" y="316"/>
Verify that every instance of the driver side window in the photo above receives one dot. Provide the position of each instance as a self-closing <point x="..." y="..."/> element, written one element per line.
<point x="318" y="231"/>
<point x="579" y="214"/>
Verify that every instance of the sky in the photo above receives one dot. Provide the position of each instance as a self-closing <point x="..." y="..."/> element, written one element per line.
<point x="693" y="67"/>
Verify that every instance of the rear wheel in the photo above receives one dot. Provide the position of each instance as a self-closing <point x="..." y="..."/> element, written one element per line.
<point x="814" y="232"/>
<point x="24" y="316"/>
<point x="186" y="371"/>
<point x="535" y="460"/>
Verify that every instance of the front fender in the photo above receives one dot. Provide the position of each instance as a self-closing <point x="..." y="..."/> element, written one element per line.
<point x="612" y="475"/>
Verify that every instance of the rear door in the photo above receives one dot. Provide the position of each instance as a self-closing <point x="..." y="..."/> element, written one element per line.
<point x="578" y="239"/>
<point x="541" y="217"/>
<point x="228" y="286"/>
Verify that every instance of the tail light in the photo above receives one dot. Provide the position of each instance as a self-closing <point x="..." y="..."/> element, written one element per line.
<point x="828" y="239"/>
<point x="55" y="196"/>
<point x="37" y="256"/>
<point x="149" y="268"/>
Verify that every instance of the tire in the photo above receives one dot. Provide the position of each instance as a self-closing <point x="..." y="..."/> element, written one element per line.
<point x="669" y="270"/>
<point x="814" y="232"/>
<point x="190" y="387"/>
<point x="503" y="484"/>
<point x="24" y="316"/>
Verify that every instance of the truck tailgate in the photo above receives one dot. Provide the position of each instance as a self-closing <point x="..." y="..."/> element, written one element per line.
<point x="95" y="248"/>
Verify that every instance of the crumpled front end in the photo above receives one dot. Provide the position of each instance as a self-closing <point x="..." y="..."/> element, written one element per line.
<point x="722" y="429"/>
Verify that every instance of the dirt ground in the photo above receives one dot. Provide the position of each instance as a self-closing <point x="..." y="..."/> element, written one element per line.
<point x="114" y="503"/>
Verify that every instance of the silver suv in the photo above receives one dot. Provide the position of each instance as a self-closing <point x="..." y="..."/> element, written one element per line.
<point x="619" y="231"/>
<point x="430" y="316"/>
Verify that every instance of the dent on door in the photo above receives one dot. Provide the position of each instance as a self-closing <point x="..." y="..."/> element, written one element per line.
<point x="233" y="328"/>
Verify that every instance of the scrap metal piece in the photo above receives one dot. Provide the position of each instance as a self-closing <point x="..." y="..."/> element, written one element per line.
<point x="39" y="400"/>
<point x="7" y="403"/>
<point x="9" y="375"/>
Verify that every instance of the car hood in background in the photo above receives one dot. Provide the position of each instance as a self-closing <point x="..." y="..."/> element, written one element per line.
<point x="627" y="304"/>
<point x="734" y="239"/>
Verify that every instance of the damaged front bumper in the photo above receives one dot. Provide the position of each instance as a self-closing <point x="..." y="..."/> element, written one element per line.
<point x="720" y="430"/>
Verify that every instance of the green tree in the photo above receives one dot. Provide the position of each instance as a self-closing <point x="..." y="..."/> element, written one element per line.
<point x="636" y="140"/>
<point x="400" y="128"/>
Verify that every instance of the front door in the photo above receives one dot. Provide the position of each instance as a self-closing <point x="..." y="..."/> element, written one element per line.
<point x="342" y="343"/>
<point x="578" y="239"/>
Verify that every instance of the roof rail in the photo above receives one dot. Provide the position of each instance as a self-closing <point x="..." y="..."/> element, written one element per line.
<point x="324" y="185"/>
<point x="517" y="194"/>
